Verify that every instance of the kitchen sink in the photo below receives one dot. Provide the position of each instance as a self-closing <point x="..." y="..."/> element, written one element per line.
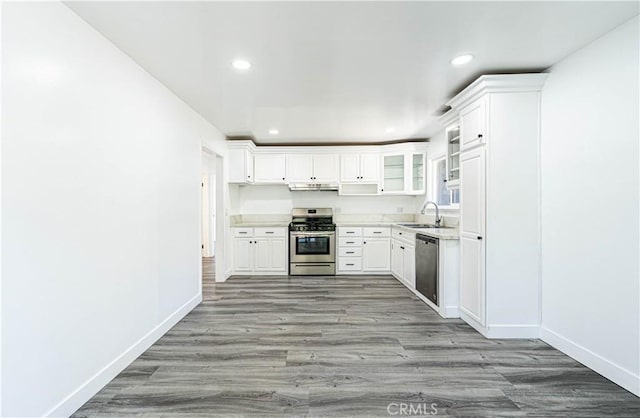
<point x="424" y="226"/>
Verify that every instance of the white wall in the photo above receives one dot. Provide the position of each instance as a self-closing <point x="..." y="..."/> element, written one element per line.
<point x="279" y="199"/>
<point x="590" y="217"/>
<point x="100" y="209"/>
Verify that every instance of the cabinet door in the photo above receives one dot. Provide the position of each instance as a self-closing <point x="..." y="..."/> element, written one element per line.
<point x="472" y="238"/>
<point x="325" y="168"/>
<point x="269" y="168"/>
<point x="299" y="168"/>
<point x="370" y="167"/>
<point x="417" y="173"/>
<point x="240" y="166"/>
<point x="262" y="251"/>
<point x="376" y="254"/>
<point x="279" y="254"/>
<point x="473" y="124"/>
<point x="393" y="172"/>
<point x="243" y="254"/>
<point x="397" y="259"/>
<point x="409" y="265"/>
<point x="349" y="167"/>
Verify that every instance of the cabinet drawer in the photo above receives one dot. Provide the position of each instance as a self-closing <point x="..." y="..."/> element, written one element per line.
<point x="349" y="263"/>
<point x="350" y="252"/>
<point x="403" y="235"/>
<point x="269" y="232"/>
<point x="242" y="232"/>
<point x="349" y="242"/>
<point x="349" y="232"/>
<point x="377" y="232"/>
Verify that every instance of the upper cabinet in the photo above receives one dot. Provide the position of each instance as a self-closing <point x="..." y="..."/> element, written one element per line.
<point x="473" y="123"/>
<point x="452" y="133"/>
<point x="356" y="170"/>
<point x="403" y="173"/>
<point x="360" y="168"/>
<point x="308" y="168"/>
<point x="241" y="169"/>
<point x="270" y="168"/>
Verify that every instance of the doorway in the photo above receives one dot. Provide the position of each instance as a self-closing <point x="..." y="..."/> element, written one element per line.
<point x="212" y="221"/>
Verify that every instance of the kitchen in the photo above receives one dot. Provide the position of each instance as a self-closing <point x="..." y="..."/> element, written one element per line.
<point x="320" y="209"/>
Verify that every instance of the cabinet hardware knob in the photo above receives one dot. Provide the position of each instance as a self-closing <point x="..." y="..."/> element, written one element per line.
<point x="402" y="247"/>
<point x="365" y="242"/>
<point x="283" y="178"/>
<point x="479" y="135"/>
<point x="445" y="180"/>
<point x="479" y="238"/>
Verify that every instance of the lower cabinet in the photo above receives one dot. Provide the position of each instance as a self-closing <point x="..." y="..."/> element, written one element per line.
<point x="260" y="250"/>
<point x="364" y="250"/>
<point x="403" y="257"/>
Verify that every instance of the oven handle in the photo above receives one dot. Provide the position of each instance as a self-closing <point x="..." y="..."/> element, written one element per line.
<point x="305" y="234"/>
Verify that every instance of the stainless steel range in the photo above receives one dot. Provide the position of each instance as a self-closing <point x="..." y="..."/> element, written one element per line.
<point x="312" y="242"/>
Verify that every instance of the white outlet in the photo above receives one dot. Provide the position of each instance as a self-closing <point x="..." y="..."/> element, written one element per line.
<point x="400" y="210"/>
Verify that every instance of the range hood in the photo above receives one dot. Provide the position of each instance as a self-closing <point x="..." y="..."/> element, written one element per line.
<point x="313" y="186"/>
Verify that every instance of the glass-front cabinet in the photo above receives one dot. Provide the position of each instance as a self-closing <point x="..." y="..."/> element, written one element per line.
<point x="453" y="156"/>
<point x="403" y="173"/>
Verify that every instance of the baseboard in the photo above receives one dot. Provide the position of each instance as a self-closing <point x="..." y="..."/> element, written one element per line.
<point x="618" y="375"/>
<point x="92" y="386"/>
<point x="471" y="321"/>
<point x="513" y="331"/>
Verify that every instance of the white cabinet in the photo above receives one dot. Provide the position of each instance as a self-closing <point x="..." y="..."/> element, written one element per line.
<point x="473" y="123"/>
<point x="472" y="226"/>
<point x="360" y="168"/>
<point x="403" y="257"/>
<point x="403" y="173"/>
<point x="452" y="134"/>
<point x="240" y="165"/>
<point x="305" y="168"/>
<point x="260" y="250"/>
<point x="243" y="254"/>
<point x="269" y="168"/>
<point x="364" y="250"/>
<point x="499" y="204"/>
<point x="376" y="254"/>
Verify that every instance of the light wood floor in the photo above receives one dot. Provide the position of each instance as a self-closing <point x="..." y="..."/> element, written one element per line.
<point x="344" y="347"/>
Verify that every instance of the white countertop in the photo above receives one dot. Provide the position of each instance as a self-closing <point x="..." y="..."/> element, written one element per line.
<point x="441" y="233"/>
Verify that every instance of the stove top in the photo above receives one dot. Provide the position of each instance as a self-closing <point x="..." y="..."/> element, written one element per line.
<point x="308" y="219"/>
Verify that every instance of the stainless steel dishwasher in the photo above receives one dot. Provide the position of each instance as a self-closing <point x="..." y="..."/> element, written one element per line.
<point x="427" y="266"/>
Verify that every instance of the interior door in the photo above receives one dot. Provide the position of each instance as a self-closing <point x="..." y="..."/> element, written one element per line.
<point x="472" y="233"/>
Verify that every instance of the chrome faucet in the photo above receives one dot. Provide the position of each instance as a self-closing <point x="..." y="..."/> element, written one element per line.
<point x="438" y="218"/>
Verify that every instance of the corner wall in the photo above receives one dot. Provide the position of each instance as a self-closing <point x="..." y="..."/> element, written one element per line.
<point x="100" y="209"/>
<point x="590" y="216"/>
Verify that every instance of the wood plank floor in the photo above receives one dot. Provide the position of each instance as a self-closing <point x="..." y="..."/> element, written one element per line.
<point x="344" y="347"/>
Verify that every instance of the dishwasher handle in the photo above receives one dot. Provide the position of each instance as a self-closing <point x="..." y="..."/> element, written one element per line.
<point x="427" y="240"/>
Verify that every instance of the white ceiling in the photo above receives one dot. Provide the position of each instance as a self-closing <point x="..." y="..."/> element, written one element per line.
<point x="340" y="71"/>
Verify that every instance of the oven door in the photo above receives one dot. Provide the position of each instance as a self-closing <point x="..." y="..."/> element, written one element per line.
<point x="312" y="247"/>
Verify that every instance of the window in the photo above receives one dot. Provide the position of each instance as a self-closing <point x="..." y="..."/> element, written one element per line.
<point x="439" y="191"/>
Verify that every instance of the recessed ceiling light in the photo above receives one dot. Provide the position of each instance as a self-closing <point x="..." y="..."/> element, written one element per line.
<point x="462" y="59"/>
<point x="241" y="64"/>
<point x="273" y="132"/>
<point x="390" y="130"/>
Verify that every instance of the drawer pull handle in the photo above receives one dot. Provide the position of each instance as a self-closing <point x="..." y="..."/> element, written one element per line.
<point x="269" y="232"/>
<point x="350" y="252"/>
<point x="377" y="232"/>
<point x="241" y="232"/>
<point x="350" y="264"/>
<point x="351" y="232"/>
<point x="350" y="242"/>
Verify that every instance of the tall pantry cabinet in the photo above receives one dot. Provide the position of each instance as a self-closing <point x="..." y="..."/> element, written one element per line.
<point x="499" y="118"/>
